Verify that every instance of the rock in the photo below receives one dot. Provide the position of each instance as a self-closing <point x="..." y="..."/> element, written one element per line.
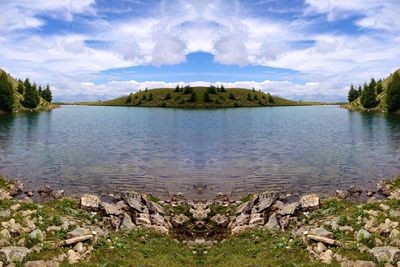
<point x="15" y="207"/>
<point x="309" y="202"/>
<point x="272" y="224"/>
<point x="383" y="188"/>
<point x="75" y="240"/>
<point x="243" y="228"/>
<point x="320" y="248"/>
<point x="143" y="219"/>
<point x="113" y="209"/>
<point x="394" y="213"/>
<point x="29" y="194"/>
<point x="257" y="219"/>
<point x="346" y="229"/>
<point x="245" y="207"/>
<point x="358" y="263"/>
<point x="322" y="232"/>
<point x="256" y="240"/>
<point x="369" y="225"/>
<point x="343" y="194"/>
<point x="370" y="194"/>
<point x="384" y="207"/>
<point x="242" y="219"/>
<point x="157" y="219"/>
<point x="127" y="223"/>
<point x="53" y="229"/>
<point x="158" y="229"/>
<point x="37" y="234"/>
<point x="56" y="194"/>
<point x="5" y="234"/>
<point x="5" y="213"/>
<point x="220" y="220"/>
<point x="289" y="209"/>
<point x="324" y="240"/>
<point x="41" y="263"/>
<point x="26" y="213"/>
<point x="154" y="207"/>
<point x="354" y="190"/>
<point x="265" y="203"/>
<point x="394" y="235"/>
<point x="73" y="257"/>
<point x="181" y="219"/>
<point x="327" y="256"/>
<point x="394" y="195"/>
<point x="79" y="248"/>
<point x="362" y="234"/>
<point x="16" y="188"/>
<point x="13" y="254"/>
<point x="200" y="211"/>
<point x="134" y="203"/>
<point x="45" y="191"/>
<point x="386" y="254"/>
<point x="90" y="202"/>
<point x="78" y="232"/>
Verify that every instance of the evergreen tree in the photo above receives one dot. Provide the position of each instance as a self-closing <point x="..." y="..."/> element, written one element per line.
<point x="211" y="90"/>
<point x="231" y="96"/>
<point x="129" y="99"/>
<point x="31" y="96"/>
<point x="47" y="94"/>
<point x="270" y="99"/>
<point x="222" y="89"/>
<point x="150" y="97"/>
<point x="393" y="93"/>
<point x="206" y="97"/>
<point x="20" y="87"/>
<point x="40" y="91"/>
<point x="187" y="90"/>
<point x="193" y="97"/>
<point x="379" y="87"/>
<point x="368" y="97"/>
<point x="359" y="90"/>
<point x="255" y="97"/>
<point x="168" y="96"/>
<point x="353" y="94"/>
<point x="6" y="94"/>
<point x="177" y="89"/>
<point x="372" y="84"/>
<point x="249" y="97"/>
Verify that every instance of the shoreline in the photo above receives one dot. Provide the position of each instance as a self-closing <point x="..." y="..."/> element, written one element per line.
<point x="72" y="229"/>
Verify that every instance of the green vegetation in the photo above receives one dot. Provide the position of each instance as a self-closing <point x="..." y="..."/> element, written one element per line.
<point x="383" y="95"/>
<point x="16" y="95"/>
<point x="199" y="97"/>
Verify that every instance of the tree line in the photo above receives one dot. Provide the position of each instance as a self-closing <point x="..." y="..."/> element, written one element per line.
<point x="30" y="92"/>
<point x="368" y="93"/>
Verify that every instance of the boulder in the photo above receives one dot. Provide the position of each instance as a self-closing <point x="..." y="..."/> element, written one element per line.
<point x="343" y="194"/>
<point x="358" y="263"/>
<point x="354" y="191"/>
<point x="324" y="240"/>
<point x="90" y="202"/>
<point x="75" y="240"/>
<point x="41" y="263"/>
<point x="326" y="256"/>
<point x="154" y="207"/>
<point x="72" y="256"/>
<point x="143" y="219"/>
<point x="37" y="234"/>
<point x="265" y="203"/>
<point x="179" y="220"/>
<point x="245" y="207"/>
<point x="256" y="218"/>
<point x="273" y="223"/>
<point x="200" y="211"/>
<point x="56" y="194"/>
<point x="362" y="234"/>
<point x="127" y="223"/>
<point x="386" y="254"/>
<point x="158" y="229"/>
<point x="289" y="209"/>
<point x="243" y="228"/>
<point x="309" y="202"/>
<point x="242" y="219"/>
<point x="113" y="209"/>
<point x="13" y="254"/>
<point x="157" y="219"/>
<point x="220" y="220"/>
<point x="320" y="231"/>
<point x="45" y="191"/>
<point x="134" y="203"/>
<point x="78" y="232"/>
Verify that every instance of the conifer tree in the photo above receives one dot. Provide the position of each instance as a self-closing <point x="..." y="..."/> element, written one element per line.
<point x="47" y="94"/>
<point x="20" y="87"/>
<point x="193" y="97"/>
<point x="222" y="89"/>
<point x="368" y="97"/>
<point x="379" y="87"/>
<point x="31" y="96"/>
<point x="393" y="93"/>
<point x="6" y="94"/>
<point x="353" y="94"/>
<point x="206" y="97"/>
<point x="270" y="99"/>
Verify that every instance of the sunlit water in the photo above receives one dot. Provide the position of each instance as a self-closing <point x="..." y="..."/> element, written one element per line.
<point x="237" y="151"/>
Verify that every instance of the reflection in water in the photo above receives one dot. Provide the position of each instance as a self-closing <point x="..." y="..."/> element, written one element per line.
<point x="199" y="152"/>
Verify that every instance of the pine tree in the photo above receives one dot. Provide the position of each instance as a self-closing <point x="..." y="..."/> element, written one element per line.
<point x="393" y="93"/>
<point x="167" y="96"/>
<point x="31" y="96"/>
<point x="249" y="97"/>
<point x="20" y="87"/>
<point x="177" y="89"/>
<point x="379" y="87"/>
<point x="188" y="90"/>
<point x="47" y="94"/>
<point x="222" y="89"/>
<point x="193" y="97"/>
<point x="211" y="90"/>
<point x="270" y="99"/>
<point x="6" y="94"/>
<point x="372" y="84"/>
<point x="150" y="97"/>
<point x="353" y="94"/>
<point x="231" y="96"/>
<point x="129" y="99"/>
<point x="368" y="97"/>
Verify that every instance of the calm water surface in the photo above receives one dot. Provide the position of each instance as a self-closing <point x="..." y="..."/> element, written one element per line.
<point x="237" y="151"/>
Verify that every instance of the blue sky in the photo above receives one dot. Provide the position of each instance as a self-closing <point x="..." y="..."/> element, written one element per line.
<point x="300" y="49"/>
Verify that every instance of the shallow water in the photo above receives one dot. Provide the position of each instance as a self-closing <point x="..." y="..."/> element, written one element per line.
<point x="237" y="151"/>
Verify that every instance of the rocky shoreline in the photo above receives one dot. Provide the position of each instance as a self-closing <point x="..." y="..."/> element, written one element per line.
<point x="341" y="230"/>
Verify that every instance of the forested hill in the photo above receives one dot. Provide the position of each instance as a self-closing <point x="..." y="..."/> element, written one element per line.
<point x="377" y="95"/>
<point x="199" y="97"/>
<point x="17" y="95"/>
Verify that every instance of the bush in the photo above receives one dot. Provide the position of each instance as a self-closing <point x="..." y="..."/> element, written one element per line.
<point x="168" y="96"/>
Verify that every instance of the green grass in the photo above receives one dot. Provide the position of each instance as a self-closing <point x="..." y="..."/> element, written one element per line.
<point x="182" y="100"/>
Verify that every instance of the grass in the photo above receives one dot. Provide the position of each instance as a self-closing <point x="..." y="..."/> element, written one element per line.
<point x="167" y="97"/>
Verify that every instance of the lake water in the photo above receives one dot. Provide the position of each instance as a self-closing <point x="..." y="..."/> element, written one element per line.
<point x="238" y="151"/>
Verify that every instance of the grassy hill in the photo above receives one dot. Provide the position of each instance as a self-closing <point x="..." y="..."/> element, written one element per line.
<point x="18" y="98"/>
<point x="199" y="97"/>
<point x="381" y="98"/>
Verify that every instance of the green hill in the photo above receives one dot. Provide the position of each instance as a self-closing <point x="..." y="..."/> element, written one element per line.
<point x="199" y="97"/>
<point x="15" y="99"/>
<point x="381" y="98"/>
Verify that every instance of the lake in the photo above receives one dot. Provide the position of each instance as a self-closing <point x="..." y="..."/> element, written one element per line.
<point x="199" y="152"/>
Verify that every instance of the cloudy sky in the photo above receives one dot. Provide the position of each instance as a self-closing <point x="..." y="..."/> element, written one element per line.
<point x="99" y="49"/>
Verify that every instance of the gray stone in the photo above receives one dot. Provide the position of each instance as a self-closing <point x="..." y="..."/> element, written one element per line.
<point x="5" y="213"/>
<point x="157" y="219"/>
<point x="73" y="257"/>
<point x="386" y="254"/>
<point x="242" y="219"/>
<point x="37" y="234"/>
<point x="310" y="201"/>
<point x="158" y="229"/>
<point x="394" y="234"/>
<point x="113" y="209"/>
<point x="5" y="234"/>
<point x="265" y="203"/>
<point x="179" y="220"/>
<point x="320" y="231"/>
<point x="41" y="263"/>
<point x="143" y="219"/>
<point x="154" y="207"/>
<point x="134" y="203"/>
<point x="289" y="209"/>
<point x="245" y="207"/>
<point x="75" y="240"/>
<point x="257" y="219"/>
<point x="200" y="211"/>
<point x="79" y="248"/>
<point x="343" y="194"/>
<point x="56" y="194"/>
<point x="273" y="223"/>
<point x="243" y="228"/>
<point x="90" y="202"/>
<point x="320" y="248"/>
<point x="78" y="232"/>
<point x="127" y="223"/>
<point x="326" y="256"/>
<point x="220" y="220"/>
<point x="13" y="254"/>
